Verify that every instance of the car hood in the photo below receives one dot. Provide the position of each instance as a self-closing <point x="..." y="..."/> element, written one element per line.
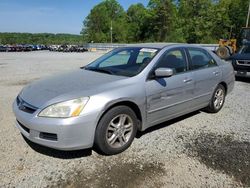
<point x="240" y="57"/>
<point x="67" y="86"/>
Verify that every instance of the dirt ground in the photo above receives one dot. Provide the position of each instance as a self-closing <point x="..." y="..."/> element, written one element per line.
<point x="196" y="150"/>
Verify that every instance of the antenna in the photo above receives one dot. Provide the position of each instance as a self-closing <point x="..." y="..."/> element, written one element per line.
<point x="111" y="32"/>
<point x="248" y="15"/>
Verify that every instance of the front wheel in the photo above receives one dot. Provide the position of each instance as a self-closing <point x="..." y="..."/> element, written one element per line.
<point x="217" y="100"/>
<point x="116" y="130"/>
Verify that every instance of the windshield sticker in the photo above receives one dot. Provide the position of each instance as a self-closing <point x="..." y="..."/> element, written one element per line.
<point x="150" y="50"/>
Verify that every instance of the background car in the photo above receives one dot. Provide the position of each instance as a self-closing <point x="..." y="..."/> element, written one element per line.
<point x="241" y="62"/>
<point x="3" y="48"/>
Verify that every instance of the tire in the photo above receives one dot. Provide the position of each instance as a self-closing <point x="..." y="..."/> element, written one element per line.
<point x="219" y="95"/>
<point x="223" y="52"/>
<point x="116" y="130"/>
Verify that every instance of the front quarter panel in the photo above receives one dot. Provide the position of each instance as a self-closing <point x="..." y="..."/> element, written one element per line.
<point x="100" y="103"/>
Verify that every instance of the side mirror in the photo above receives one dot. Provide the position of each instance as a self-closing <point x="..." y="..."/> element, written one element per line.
<point x="164" y="72"/>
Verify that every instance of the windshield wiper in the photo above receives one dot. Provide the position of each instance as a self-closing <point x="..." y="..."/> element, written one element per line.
<point x="99" y="70"/>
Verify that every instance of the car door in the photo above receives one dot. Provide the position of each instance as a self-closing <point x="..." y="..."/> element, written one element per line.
<point x="207" y="75"/>
<point x="169" y="97"/>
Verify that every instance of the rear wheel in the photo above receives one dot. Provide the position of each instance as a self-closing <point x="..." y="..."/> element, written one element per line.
<point x="217" y="100"/>
<point x="116" y="130"/>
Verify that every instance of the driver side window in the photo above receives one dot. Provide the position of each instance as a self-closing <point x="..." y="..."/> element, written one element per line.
<point x="174" y="59"/>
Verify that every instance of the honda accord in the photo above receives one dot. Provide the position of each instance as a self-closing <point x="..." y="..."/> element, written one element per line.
<point x="126" y="90"/>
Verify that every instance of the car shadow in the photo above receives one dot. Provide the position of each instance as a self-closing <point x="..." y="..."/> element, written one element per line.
<point x="166" y="124"/>
<point x="57" y="153"/>
<point x="242" y="79"/>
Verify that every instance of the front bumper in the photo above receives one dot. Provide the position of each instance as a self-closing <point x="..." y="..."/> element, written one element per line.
<point x="242" y="73"/>
<point x="58" y="133"/>
<point x="241" y="70"/>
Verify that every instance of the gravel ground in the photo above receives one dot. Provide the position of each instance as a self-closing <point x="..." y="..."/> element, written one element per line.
<point x="196" y="150"/>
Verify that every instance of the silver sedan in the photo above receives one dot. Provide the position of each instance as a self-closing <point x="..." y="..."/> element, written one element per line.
<point x="127" y="90"/>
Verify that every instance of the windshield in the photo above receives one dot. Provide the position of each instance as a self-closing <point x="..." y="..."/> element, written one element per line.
<point x="123" y="61"/>
<point x="245" y="49"/>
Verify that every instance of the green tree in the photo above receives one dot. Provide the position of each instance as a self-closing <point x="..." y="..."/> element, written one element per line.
<point x="221" y="22"/>
<point x="196" y="20"/>
<point x="192" y="21"/>
<point x="97" y="25"/>
<point x="160" y="20"/>
<point x="39" y="38"/>
<point x="237" y="11"/>
<point x="136" y="15"/>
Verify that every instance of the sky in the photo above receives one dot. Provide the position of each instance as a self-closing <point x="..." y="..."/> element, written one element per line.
<point x="48" y="16"/>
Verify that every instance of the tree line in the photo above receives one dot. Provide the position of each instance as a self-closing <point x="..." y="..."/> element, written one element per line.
<point x="40" y="38"/>
<point x="191" y="21"/>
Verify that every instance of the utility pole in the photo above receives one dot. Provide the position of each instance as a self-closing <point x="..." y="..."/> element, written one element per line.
<point x="111" y="32"/>
<point x="248" y="15"/>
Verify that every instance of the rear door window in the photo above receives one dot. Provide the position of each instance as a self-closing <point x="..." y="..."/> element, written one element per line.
<point x="200" y="59"/>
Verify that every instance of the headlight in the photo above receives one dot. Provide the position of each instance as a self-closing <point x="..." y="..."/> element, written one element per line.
<point x="65" y="109"/>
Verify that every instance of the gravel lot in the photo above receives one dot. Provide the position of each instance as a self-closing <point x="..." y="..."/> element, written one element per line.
<point x="197" y="150"/>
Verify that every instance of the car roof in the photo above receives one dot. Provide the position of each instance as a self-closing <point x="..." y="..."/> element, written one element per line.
<point x="163" y="45"/>
<point x="152" y="45"/>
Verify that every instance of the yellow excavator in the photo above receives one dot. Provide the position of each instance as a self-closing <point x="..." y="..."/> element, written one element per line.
<point x="228" y="47"/>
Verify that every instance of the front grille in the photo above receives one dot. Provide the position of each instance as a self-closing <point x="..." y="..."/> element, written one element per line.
<point x="23" y="127"/>
<point x="48" y="136"/>
<point x="243" y="62"/>
<point x="24" y="106"/>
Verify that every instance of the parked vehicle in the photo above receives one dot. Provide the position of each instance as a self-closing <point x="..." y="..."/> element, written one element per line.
<point x="3" y="48"/>
<point x="81" y="49"/>
<point x="10" y="48"/>
<point x="54" y="47"/>
<point x="241" y="62"/>
<point x="70" y="48"/>
<point x="67" y="48"/>
<point x="127" y="90"/>
<point x="22" y="48"/>
<point x="27" y="48"/>
<point x="37" y="47"/>
<point x="62" y="48"/>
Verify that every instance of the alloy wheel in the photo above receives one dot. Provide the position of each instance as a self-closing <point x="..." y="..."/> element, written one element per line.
<point x="119" y="131"/>
<point x="219" y="98"/>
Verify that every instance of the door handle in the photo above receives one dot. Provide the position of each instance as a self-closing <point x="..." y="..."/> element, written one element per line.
<point x="216" y="73"/>
<point x="187" y="80"/>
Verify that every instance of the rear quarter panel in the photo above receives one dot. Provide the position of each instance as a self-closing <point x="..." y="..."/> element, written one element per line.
<point x="228" y="75"/>
<point x="227" y="69"/>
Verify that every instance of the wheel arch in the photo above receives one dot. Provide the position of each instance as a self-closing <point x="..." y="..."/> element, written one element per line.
<point x="224" y="85"/>
<point x="132" y="105"/>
